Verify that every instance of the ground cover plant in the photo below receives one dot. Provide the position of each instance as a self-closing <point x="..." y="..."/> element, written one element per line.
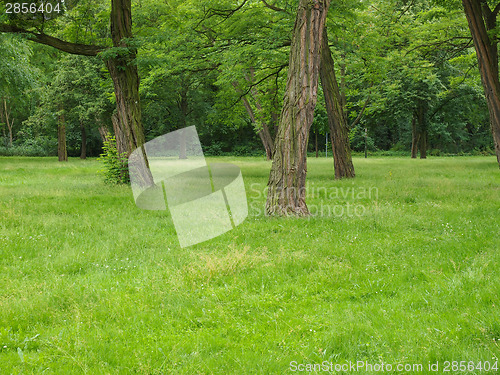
<point x="90" y="284"/>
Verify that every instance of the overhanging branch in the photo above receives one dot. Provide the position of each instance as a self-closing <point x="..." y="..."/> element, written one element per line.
<point x="73" y="48"/>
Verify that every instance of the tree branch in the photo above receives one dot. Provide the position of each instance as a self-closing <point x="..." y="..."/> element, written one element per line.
<point x="73" y="48"/>
<point x="273" y="7"/>
<point x="496" y="10"/>
<point x="360" y="115"/>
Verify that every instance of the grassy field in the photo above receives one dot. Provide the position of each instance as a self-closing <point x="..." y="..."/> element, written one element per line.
<point x="399" y="266"/>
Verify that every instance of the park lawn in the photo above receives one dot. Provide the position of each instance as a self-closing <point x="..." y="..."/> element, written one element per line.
<point x="90" y="284"/>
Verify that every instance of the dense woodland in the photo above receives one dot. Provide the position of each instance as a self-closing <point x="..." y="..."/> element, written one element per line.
<point x="256" y="77"/>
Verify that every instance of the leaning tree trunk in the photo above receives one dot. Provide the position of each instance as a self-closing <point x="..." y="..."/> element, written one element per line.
<point x="263" y="133"/>
<point x="337" y="121"/>
<point x="287" y="179"/>
<point x="487" y="57"/>
<point x="62" y="152"/>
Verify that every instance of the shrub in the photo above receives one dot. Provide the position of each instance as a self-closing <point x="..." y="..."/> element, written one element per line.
<point x="214" y="149"/>
<point x="115" y="165"/>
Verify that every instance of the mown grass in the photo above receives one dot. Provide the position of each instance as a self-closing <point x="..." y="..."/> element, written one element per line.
<point x="90" y="284"/>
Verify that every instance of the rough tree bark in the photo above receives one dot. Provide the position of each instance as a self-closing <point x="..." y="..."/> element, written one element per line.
<point x="481" y="20"/>
<point x="287" y="192"/>
<point x="121" y="139"/>
<point x="337" y="121"/>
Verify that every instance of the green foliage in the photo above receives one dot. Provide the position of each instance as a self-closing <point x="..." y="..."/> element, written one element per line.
<point x="115" y="166"/>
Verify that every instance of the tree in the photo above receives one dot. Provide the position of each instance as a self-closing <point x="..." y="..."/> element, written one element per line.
<point x="120" y="61"/>
<point x="337" y="121"/>
<point x="17" y="78"/>
<point x="287" y="193"/>
<point x="482" y="22"/>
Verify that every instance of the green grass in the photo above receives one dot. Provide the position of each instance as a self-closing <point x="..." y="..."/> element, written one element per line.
<point x="90" y="284"/>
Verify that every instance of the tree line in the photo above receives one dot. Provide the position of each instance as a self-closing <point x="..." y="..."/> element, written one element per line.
<point x="416" y="75"/>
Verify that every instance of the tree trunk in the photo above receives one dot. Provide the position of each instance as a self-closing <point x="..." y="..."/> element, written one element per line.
<point x="83" y="148"/>
<point x="316" y="143"/>
<point x="423" y="144"/>
<point x="62" y="152"/>
<point x="121" y="139"/>
<point x="182" y="145"/>
<point x="337" y="121"/>
<point x="366" y="143"/>
<point x="263" y="132"/>
<point x="2" y="123"/>
<point x="104" y="133"/>
<point x="415" y="136"/>
<point x="422" y="128"/>
<point x="7" y="121"/>
<point x="123" y="71"/>
<point x="343" y="99"/>
<point x="287" y="179"/>
<point x="183" y="108"/>
<point x="482" y="20"/>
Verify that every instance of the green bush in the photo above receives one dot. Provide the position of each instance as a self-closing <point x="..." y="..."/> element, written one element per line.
<point x="115" y="165"/>
<point x="42" y="146"/>
<point x="214" y="149"/>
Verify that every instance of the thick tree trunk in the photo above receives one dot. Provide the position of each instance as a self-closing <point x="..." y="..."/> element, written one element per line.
<point x="62" y="152"/>
<point x="287" y="179"/>
<point x="415" y="136"/>
<point x="128" y="111"/>
<point x="481" y="20"/>
<point x="337" y="121"/>
<point x="83" y="148"/>
<point x="125" y="76"/>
